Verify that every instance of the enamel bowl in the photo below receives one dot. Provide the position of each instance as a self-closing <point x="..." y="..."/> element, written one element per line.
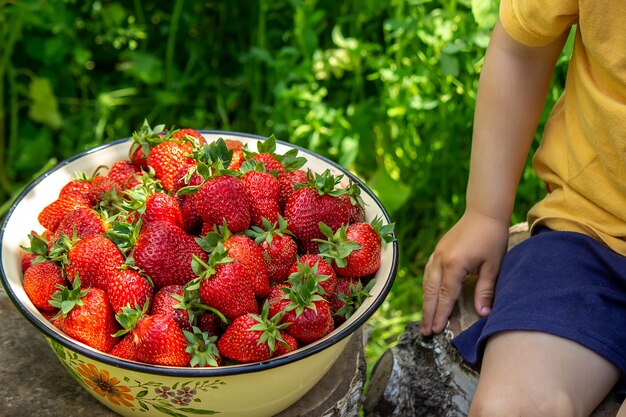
<point x="135" y="389"/>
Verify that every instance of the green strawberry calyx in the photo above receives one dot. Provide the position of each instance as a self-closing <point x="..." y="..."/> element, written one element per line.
<point x="289" y="160"/>
<point x="125" y="236"/>
<point x="59" y="252"/>
<point x="270" y="327"/>
<point x="66" y="298"/>
<point x="130" y="316"/>
<point x="38" y="246"/>
<point x="147" y="138"/>
<point x="134" y="200"/>
<point x="203" y="270"/>
<point x="384" y="231"/>
<point x="324" y="183"/>
<point x="269" y="230"/>
<point x="337" y="247"/>
<point x="202" y="348"/>
<point x="353" y="191"/>
<point x="304" y="288"/>
<point x="220" y="234"/>
<point x="357" y="294"/>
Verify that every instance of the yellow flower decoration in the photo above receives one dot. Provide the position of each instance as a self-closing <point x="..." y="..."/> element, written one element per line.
<point x="104" y="385"/>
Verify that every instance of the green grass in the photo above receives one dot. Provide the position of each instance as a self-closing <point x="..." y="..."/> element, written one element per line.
<point x="385" y="88"/>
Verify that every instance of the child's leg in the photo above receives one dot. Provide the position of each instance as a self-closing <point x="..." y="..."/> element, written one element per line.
<point x="538" y="374"/>
<point x="622" y="410"/>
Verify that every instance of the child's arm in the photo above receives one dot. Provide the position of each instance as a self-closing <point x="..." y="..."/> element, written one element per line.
<point x="511" y="94"/>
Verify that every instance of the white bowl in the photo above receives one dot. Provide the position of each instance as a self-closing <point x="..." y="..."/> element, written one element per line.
<point x="136" y="389"/>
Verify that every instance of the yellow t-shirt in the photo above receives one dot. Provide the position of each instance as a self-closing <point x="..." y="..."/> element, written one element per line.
<point x="582" y="155"/>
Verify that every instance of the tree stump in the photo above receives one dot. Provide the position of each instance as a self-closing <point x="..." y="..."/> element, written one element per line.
<point x="425" y="376"/>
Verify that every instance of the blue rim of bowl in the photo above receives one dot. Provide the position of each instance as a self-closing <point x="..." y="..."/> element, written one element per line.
<point x="301" y="353"/>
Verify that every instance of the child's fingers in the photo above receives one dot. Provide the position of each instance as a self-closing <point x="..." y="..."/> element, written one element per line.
<point x="441" y="287"/>
<point x="485" y="289"/>
<point x="430" y="288"/>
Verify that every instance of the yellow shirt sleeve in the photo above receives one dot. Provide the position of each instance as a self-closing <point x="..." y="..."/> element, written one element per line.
<point x="537" y="23"/>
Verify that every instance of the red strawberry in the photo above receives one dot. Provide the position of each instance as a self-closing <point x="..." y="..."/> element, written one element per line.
<point x="103" y="189"/>
<point x="167" y="158"/>
<point x="357" y="211"/>
<point x="288" y="181"/>
<point x="188" y="177"/>
<point x="356" y="206"/>
<point x="279" y="249"/>
<point x="160" y="341"/>
<point x="309" y="206"/>
<point x="224" y="198"/>
<point x="238" y="156"/>
<point x="138" y="157"/>
<point x="291" y="345"/>
<point x="210" y="323"/>
<point x="95" y="259"/>
<point x="252" y="338"/>
<point x="86" y="316"/>
<point x="286" y="167"/>
<point x="277" y="298"/>
<point x="84" y="220"/>
<point x="243" y="250"/>
<point x="27" y="260"/>
<point x="143" y="140"/>
<point x="49" y="315"/>
<point x="37" y="251"/>
<point x="165" y="303"/>
<point x="355" y="249"/>
<point x="310" y="323"/>
<point x="303" y="306"/>
<point x="263" y="192"/>
<point x="348" y="296"/>
<point x="122" y="171"/>
<point x="189" y="135"/>
<point x="55" y="212"/>
<point x="162" y="206"/>
<point x="40" y="282"/>
<point x="164" y="252"/>
<point x="314" y="264"/>
<point x="76" y="189"/>
<point x="154" y="339"/>
<point x="126" y="348"/>
<point x="128" y="287"/>
<point x="270" y="161"/>
<point x="222" y="285"/>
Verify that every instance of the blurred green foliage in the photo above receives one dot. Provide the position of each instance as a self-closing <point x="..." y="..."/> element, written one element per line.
<point x="386" y="88"/>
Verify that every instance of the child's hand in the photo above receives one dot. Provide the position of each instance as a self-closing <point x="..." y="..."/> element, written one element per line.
<point x="475" y="245"/>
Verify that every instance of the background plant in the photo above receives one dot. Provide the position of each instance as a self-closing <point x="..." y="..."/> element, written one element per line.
<point x="385" y="88"/>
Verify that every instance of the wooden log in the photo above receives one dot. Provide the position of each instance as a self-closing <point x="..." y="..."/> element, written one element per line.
<point x="420" y="377"/>
<point x="426" y="376"/>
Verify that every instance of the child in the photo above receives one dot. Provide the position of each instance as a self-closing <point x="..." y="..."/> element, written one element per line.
<point x="552" y="339"/>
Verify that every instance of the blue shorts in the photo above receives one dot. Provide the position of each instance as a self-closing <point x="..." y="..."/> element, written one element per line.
<point x="563" y="283"/>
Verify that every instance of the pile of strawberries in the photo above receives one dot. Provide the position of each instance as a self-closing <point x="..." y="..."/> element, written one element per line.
<point x="191" y="253"/>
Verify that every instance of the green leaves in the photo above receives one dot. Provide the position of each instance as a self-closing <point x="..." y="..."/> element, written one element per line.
<point x="485" y="12"/>
<point x="44" y="107"/>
